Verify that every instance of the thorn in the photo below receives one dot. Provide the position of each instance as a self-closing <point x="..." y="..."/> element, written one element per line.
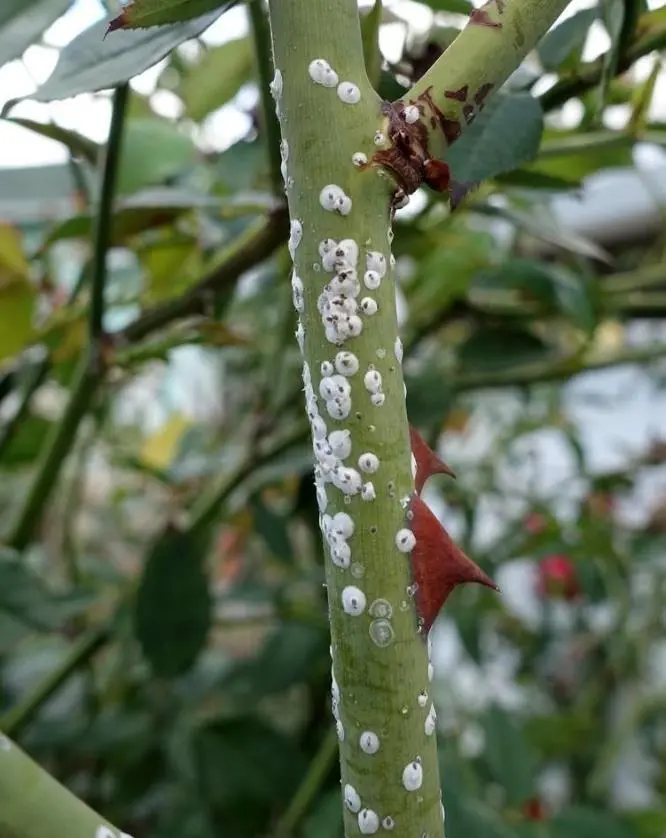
<point x="438" y="564"/>
<point x="427" y="462"/>
<point x="117" y="23"/>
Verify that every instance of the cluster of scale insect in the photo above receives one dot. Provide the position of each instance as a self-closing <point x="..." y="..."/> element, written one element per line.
<point x="345" y="301"/>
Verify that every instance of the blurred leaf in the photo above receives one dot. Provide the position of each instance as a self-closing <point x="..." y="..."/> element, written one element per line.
<point x="26" y="441"/>
<point x="460" y="7"/>
<point x="582" y="822"/>
<point x="173" y="604"/>
<point x="613" y="14"/>
<point x="370" y="25"/>
<point x="561" y="48"/>
<point x="139" y="164"/>
<point x="534" y="179"/>
<point x="288" y="657"/>
<point x="245" y="762"/>
<point x="17" y="295"/>
<point x="141" y="14"/>
<point x="508" y="756"/>
<point x="145" y="210"/>
<point x="504" y="135"/>
<point x="216" y="78"/>
<point x="13" y="263"/>
<point x="641" y="102"/>
<point x="78" y="144"/>
<point x="170" y="266"/>
<point x="272" y="528"/>
<point x="574" y="155"/>
<point x="429" y="396"/>
<point x="553" y="285"/>
<point x="92" y="62"/>
<point x="239" y="167"/>
<point x="22" y="22"/>
<point x="499" y="347"/>
<point x="326" y="819"/>
<point x="159" y="448"/>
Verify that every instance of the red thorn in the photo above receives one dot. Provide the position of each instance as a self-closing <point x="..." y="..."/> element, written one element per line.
<point x="117" y="23"/>
<point x="438" y="564"/>
<point x="427" y="462"/>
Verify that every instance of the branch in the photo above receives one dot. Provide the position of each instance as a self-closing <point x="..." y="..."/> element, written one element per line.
<point x="35" y="805"/>
<point x="261" y="35"/>
<point x="493" y="44"/>
<point x="257" y="243"/>
<point x="87" y="376"/>
<point x="344" y="293"/>
<point x="103" y="222"/>
<point x="17" y="717"/>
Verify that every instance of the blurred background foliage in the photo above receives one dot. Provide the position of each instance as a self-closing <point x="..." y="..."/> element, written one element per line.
<point x="163" y="638"/>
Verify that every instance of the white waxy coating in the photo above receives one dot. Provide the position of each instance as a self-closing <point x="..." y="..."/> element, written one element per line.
<point x="354" y="325"/>
<point x="276" y="85"/>
<point x="431" y="672"/>
<point x="369" y="742"/>
<point x="411" y="114"/>
<point x="372" y="280"/>
<point x="353" y="600"/>
<point x="376" y="261"/>
<point x="443" y="810"/>
<point x="343" y="525"/>
<point x="368" y="462"/>
<point x="330" y="195"/>
<point x="422" y="698"/>
<point x="298" y="290"/>
<point x="340" y="442"/>
<point x="368" y="822"/>
<point x="379" y="138"/>
<point x="326" y="246"/>
<point x="347" y="249"/>
<point x="398" y="349"/>
<point x="388" y="823"/>
<point x="340" y="553"/>
<point x="348" y="480"/>
<point x="415" y="466"/>
<point x="339" y="729"/>
<point x="339" y="408"/>
<point x="321" y="72"/>
<point x="368" y="491"/>
<point x="346" y="363"/>
<point x="405" y="540"/>
<point x="349" y="93"/>
<point x="373" y="381"/>
<point x="327" y="369"/>
<point x="322" y="498"/>
<point x="359" y="158"/>
<point x="295" y="236"/>
<point x="378" y="399"/>
<point x="352" y="798"/>
<point x="369" y="306"/>
<point x="412" y="776"/>
<point x="430" y="721"/>
<point x="300" y="336"/>
<point x="380" y="608"/>
<point x="319" y="428"/>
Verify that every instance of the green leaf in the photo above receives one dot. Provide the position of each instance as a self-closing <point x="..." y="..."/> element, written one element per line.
<point x="585" y="822"/>
<point x="22" y="22"/>
<point x="460" y="7"/>
<point x="142" y="14"/>
<point x="429" y="396"/>
<point x="505" y="135"/>
<point x="140" y="166"/>
<point x="272" y="528"/>
<point x="245" y="762"/>
<point x="499" y="347"/>
<point x="144" y="211"/>
<point x="613" y="13"/>
<point x="561" y="48"/>
<point x="553" y="285"/>
<point x="508" y="755"/>
<point x="215" y="79"/>
<point x="26" y="442"/>
<point x="173" y="604"/>
<point x="92" y="62"/>
<point x="326" y="818"/>
<point x="17" y="294"/>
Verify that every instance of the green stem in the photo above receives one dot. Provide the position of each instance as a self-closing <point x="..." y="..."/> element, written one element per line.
<point x="380" y="661"/>
<point x="87" y="377"/>
<point x="258" y="242"/>
<point x="261" y="35"/>
<point x="35" y="805"/>
<point x="589" y="74"/>
<point x="55" y="451"/>
<point x="479" y="61"/>
<point x="35" y="379"/>
<point x="312" y="783"/>
<point x="104" y="219"/>
<point x="16" y="718"/>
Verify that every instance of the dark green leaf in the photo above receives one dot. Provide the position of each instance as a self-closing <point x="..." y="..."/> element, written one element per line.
<point x="370" y="25"/>
<point x="563" y="45"/>
<point x="216" y="78"/>
<point x="508" y="755"/>
<point x="173" y="604"/>
<point x="22" y="22"/>
<point x="244" y="762"/>
<point x="461" y="7"/>
<point x="613" y="16"/>
<point x="498" y="347"/>
<point x="584" y="822"/>
<point x="26" y="442"/>
<point x="92" y="62"/>
<point x="533" y="179"/>
<point x="140" y="166"/>
<point x="272" y="528"/>
<point x="141" y="14"/>
<point x="429" y="396"/>
<point x="326" y="818"/>
<point x="505" y="135"/>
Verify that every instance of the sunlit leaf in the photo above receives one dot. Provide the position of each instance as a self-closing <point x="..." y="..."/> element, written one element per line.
<point x="22" y="22"/>
<point x="141" y="14"/>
